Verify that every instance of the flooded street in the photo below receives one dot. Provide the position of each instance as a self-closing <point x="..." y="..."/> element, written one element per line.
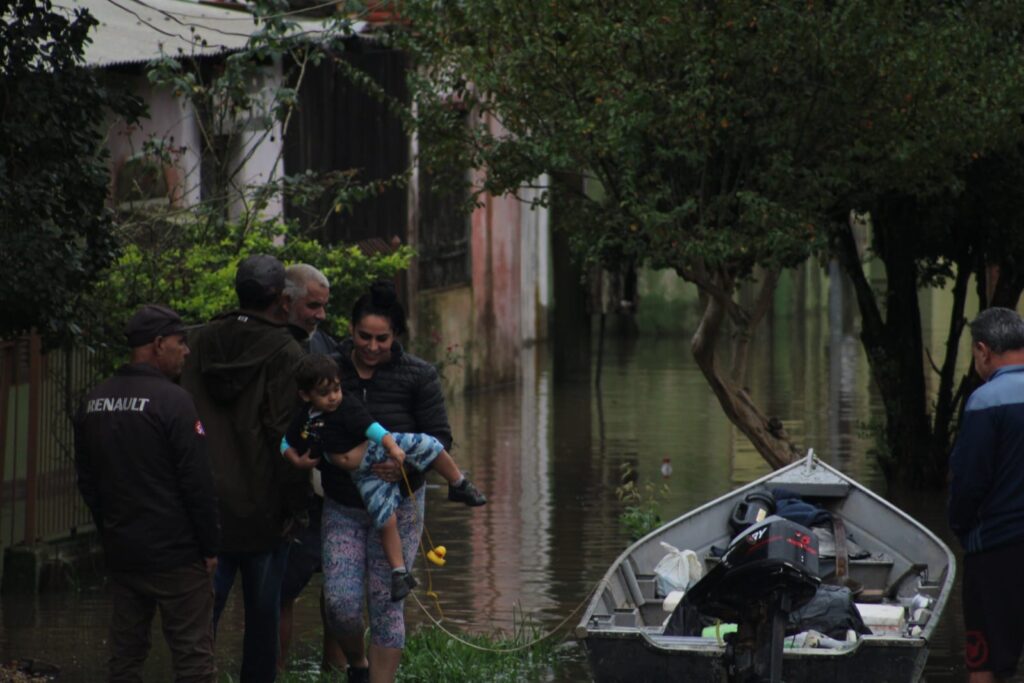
<point x="549" y="455"/>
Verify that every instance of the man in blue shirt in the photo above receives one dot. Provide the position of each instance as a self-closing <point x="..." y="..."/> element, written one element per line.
<point x="986" y="500"/>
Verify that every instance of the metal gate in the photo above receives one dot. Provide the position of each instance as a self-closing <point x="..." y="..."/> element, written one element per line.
<point x="39" y="499"/>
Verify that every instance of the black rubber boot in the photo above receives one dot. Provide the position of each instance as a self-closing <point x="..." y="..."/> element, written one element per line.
<point x="359" y="674"/>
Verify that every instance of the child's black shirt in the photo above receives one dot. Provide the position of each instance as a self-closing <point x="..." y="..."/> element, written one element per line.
<point x="336" y="432"/>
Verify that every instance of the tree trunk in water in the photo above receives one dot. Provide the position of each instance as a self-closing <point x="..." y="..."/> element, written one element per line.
<point x="767" y="435"/>
<point x="571" y="323"/>
<point x="1008" y="286"/>
<point x="1004" y="291"/>
<point x="894" y="349"/>
<point x="946" y="401"/>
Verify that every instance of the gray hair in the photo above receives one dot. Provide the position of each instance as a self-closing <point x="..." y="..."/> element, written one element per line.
<point x="1000" y="329"/>
<point x="297" y="278"/>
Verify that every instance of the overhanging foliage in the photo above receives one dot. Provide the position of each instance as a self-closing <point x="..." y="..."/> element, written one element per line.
<point x="56" y="231"/>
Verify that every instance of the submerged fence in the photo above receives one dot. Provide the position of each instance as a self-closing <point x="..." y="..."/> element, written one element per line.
<point x="39" y="499"/>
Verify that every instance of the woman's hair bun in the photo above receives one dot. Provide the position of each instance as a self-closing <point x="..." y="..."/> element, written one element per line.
<point x="383" y="294"/>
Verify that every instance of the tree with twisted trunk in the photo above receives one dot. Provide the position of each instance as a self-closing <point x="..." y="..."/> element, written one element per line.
<point x="726" y="140"/>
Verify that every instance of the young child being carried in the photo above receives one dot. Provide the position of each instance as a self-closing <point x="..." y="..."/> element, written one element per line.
<point x="339" y="429"/>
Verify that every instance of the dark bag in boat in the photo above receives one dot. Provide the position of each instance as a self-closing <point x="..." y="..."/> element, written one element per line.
<point x="686" y="620"/>
<point x="794" y="508"/>
<point x="831" y="611"/>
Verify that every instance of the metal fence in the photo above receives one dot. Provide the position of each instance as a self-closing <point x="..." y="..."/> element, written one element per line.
<point x="39" y="499"/>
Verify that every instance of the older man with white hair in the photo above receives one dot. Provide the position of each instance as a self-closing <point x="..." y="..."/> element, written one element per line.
<point x="306" y="294"/>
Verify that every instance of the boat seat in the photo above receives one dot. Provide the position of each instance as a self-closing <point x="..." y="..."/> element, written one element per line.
<point x="870" y="574"/>
<point x="629" y="577"/>
<point x="814" y="484"/>
<point x="642" y="593"/>
<point x="626" y="616"/>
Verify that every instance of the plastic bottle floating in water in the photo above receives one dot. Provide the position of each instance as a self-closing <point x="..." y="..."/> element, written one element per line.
<point x="666" y="467"/>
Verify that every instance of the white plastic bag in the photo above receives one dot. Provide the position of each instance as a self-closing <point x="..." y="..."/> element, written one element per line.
<point x="677" y="571"/>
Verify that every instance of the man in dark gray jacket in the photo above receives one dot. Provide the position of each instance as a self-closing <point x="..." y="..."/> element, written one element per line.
<point x="306" y="293"/>
<point x="241" y="374"/>
<point x="140" y="453"/>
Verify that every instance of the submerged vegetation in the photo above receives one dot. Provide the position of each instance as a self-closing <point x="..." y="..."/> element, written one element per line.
<point x="642" y="512"/>
<point x="432" y="655"/>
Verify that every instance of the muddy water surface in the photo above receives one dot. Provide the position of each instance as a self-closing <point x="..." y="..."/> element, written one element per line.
<point x="549" y="454"/>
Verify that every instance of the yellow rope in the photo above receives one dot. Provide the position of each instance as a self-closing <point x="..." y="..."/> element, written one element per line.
<point x="430" y="593"/>
<point x="408" y="486"/>
<point x="506" y="650"/>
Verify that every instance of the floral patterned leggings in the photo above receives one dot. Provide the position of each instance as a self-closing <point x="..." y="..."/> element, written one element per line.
<point x="353" y="561"/>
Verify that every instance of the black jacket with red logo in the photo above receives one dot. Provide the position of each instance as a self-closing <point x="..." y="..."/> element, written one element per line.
<point x="140" y="453"/>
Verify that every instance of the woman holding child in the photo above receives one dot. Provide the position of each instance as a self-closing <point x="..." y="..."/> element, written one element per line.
<point x="402" y="393"/>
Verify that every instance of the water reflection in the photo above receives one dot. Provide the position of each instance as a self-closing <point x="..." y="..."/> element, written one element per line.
<point x="552" y="465"/>
<point x="549" y="455"/>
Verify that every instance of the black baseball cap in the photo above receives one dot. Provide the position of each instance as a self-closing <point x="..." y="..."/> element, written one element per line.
<point x="259" y="279"/>
<point x="152" y="321"/>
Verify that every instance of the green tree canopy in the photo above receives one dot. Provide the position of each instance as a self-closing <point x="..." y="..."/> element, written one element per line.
<point x="56" y="231"/>
<point x="723" y="139"/>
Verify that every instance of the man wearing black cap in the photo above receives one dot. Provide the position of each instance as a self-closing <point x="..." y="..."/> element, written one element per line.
<point x="241" y="374"/>
<point x="140" y="453"/>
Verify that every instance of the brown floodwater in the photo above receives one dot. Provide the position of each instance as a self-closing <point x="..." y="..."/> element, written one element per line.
<point x="549" y="454"/>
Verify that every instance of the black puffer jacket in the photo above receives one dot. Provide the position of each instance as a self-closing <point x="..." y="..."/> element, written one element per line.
<point x="404" y="395"/>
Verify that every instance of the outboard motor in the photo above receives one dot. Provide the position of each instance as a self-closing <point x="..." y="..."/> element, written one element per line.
<point x="755" y="507"/>
<point x="768" y="571"/>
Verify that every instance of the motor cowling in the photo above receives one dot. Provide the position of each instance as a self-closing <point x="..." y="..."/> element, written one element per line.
<point x="771" y="557"/>
<point x="755" y="507"/>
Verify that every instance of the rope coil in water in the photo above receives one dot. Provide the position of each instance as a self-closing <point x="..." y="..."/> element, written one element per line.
<point x="502" y="650"/>
<point x="431" y="593"/>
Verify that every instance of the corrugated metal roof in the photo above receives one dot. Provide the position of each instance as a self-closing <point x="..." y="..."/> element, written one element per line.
<point x="134" y="31"/>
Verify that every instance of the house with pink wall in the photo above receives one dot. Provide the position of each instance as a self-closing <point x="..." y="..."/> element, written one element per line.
<point x="479" y="291"/>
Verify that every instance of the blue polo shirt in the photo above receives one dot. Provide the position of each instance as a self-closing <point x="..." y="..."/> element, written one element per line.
<point x="986" y="497"/>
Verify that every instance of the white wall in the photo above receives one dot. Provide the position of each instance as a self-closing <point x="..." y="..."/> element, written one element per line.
<point x="261" y="149"/>
<point x="535" y="265"/>
<point x="172" y="119"/>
